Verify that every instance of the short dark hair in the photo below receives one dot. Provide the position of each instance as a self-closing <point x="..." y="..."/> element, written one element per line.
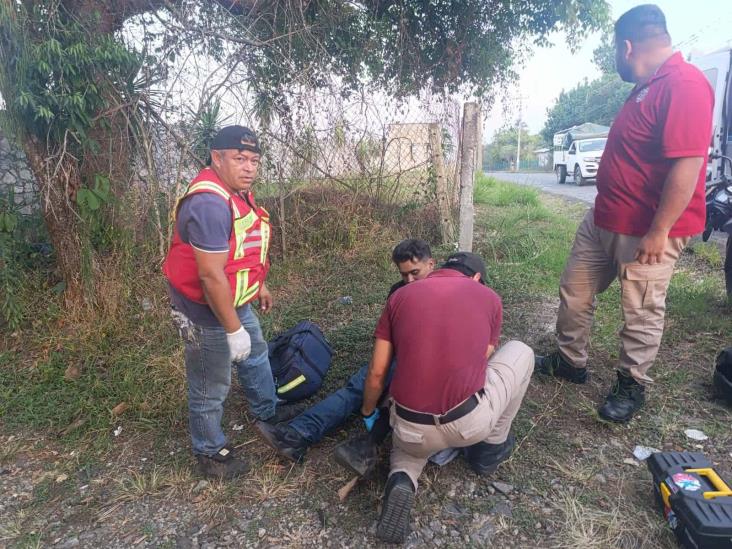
<point x="411" y="249"/>
<point x="641" y="23"/>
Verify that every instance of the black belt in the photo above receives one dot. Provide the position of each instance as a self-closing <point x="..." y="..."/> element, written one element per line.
<point x="459" y="411"/>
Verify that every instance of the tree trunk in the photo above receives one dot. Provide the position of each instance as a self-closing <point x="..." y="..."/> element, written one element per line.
<point x="447" y="224"/>
<point x="63" y="224"/>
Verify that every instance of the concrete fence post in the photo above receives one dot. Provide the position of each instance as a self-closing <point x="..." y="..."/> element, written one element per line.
<point x="471" y="120"/>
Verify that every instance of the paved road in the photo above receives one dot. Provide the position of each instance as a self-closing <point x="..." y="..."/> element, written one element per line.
<point x="547" y="182"/>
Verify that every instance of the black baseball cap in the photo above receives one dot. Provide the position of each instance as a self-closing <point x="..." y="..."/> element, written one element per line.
<point x="236" y="137"/>
<point x="467" y="263"/>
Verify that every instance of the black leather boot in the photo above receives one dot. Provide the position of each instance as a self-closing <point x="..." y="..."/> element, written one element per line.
<point x="286" y="412"/>
<point x="626" y="397"/>
<point x="485" y="458"/>
<point x="395" y="514"/>
<point x="283" y="438"/>
<point x="555" y="365"/>
<point x="222" y="465"/>
<point x="358" y="454"/>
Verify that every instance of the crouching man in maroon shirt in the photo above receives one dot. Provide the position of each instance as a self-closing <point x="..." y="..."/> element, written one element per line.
<point x="450" y="389"/>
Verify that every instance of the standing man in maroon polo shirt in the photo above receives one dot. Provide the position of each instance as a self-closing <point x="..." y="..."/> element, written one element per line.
<point x="445" y="391"/>
<point x="650" y="201"/>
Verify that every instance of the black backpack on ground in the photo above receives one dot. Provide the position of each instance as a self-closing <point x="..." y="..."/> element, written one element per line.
<point x="300" y="358"/>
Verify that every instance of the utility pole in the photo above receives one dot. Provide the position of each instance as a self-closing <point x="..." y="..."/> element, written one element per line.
<point x="518" y="131"/>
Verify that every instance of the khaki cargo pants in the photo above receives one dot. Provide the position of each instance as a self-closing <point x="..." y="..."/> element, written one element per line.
<point x="507" y="377"/>
<point x="597" y="258"/>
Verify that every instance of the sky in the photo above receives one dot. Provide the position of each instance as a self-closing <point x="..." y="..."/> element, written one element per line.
<point x="698" y="26"/>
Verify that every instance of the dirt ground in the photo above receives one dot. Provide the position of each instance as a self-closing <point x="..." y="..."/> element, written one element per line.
<point x="573" y="480"/>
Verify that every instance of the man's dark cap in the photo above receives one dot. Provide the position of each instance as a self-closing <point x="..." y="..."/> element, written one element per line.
<point x="467" y="263"/>
<point x="236" y="137"/>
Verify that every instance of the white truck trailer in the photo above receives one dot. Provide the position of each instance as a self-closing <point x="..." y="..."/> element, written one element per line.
<point x="577" y="151"/>
<point x="717" y="67"/>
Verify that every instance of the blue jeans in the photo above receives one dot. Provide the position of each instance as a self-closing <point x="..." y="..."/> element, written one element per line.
<point x="208" y="369"/>
<point x="331" y="412"/>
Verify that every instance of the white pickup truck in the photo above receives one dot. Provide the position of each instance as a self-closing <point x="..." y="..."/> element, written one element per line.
<point x="577" y="151"/>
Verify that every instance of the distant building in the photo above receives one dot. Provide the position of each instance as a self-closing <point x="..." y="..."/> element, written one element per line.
<point x="407" y="147"/>
<point x="543" y="157"/>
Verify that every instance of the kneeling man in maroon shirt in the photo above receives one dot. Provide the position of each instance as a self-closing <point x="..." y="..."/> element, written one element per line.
<point x="450" y="389"/>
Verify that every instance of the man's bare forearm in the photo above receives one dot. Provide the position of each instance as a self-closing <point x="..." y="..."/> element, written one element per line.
<point x="217" y="290"/>
<point x="677" y="192"/>
<point x="376" y="376"/>
<point x="373" y="389"/>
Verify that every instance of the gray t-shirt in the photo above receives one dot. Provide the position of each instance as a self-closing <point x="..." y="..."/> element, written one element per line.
<point x="204" y="222"/>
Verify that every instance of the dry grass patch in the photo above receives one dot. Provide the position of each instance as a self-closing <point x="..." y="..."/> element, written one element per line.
<point x="9" y="448"/>
<point x="603" y="520"/>
<point x="173" y="480"/>
<point x="276" y="481"/>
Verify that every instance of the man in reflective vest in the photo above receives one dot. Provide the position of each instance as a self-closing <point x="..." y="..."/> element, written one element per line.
<point x="216" y="267"/>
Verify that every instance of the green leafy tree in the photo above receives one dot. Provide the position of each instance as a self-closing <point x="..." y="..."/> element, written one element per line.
<point x="597" y="101"/>
<point x="72" y="85"/>
<point x="501" y="151"/>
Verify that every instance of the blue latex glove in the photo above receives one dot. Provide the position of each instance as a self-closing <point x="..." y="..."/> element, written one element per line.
<point x="370" y="420"/>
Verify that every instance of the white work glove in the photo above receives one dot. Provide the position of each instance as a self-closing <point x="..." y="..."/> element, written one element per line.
<point x="240" y="344"/>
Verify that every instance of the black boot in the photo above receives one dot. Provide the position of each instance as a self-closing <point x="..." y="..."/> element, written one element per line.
<point x="485" y="458"/>
<point x="555" y="365"/>
<point x="626" y="397"/>
<point x="285" y="412"/>
<point x="222" y="465"/>
<point x="283" y="438"/>
<point x="357" y="454"/>
<point x="395" y="514"/>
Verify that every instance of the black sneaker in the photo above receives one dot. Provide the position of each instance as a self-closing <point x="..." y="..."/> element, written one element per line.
<point x="283" y="438"/>
<point x="485" y="458"/>
<point x="285" y="412"/>
<point x="626" y="397"/>
<point x="357" y="454"/>
<point x="395" y="514"/>
<point x="222" y="465"/>
<point x="555" y="365"/>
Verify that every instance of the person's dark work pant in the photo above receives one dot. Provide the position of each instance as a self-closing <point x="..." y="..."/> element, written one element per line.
<point x="331" y="412"/>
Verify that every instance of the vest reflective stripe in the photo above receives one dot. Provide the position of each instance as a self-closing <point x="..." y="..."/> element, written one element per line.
<point x="241" y="226"/>
<point x="265" y="241"/>
<point x="209" y="186"/>
<point x="244" y="293"/>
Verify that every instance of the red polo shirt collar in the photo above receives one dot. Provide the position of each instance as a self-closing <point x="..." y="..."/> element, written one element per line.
<point x="671" y="63"/>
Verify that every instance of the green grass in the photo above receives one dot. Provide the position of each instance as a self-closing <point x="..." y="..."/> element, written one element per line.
<point x="135" y="356"/>
<point x="524" y="242"/>
<point x="490" y="191"/>
<point x="707" y="252"/>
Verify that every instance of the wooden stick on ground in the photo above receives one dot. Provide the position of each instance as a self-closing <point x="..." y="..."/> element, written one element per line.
<point x="346" y="488"/>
